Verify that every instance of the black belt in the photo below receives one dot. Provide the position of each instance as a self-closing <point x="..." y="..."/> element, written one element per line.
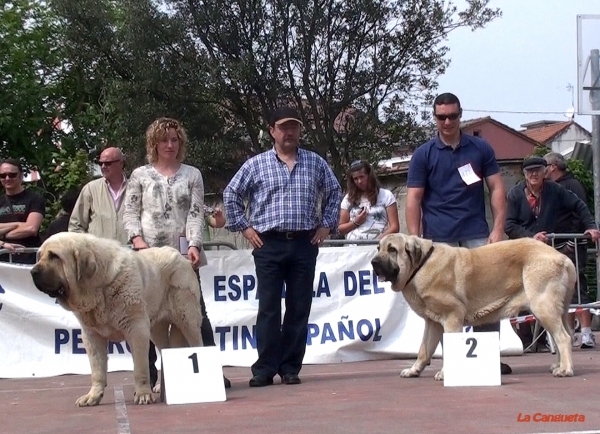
<point x="291" y="235"/>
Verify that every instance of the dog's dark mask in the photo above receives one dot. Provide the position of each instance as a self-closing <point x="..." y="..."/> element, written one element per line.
<point x="385" y="264"/>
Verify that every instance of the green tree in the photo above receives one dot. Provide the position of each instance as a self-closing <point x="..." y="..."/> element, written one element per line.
<point x="358" y="70"/>
<point x="30" y="71"/>
<point x="339" y="62"/>
<point x="135" y="75"/>
<point x="41" y="86"/>
<point x="585" y="176"/>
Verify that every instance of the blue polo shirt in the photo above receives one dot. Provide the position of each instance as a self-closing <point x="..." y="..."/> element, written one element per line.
<point x="452" y="211"/>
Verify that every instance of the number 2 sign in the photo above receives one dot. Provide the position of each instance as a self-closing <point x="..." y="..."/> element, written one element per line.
<point x="471" y="359"/>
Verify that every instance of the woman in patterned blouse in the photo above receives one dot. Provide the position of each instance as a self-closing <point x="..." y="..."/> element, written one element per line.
<point x="164" y="203"/>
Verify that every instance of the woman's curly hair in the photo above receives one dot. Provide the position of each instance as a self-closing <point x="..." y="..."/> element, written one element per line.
<point x="157" y="132"/>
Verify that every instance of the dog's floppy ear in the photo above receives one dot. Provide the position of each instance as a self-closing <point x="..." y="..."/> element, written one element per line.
<point x="85" y="264"/>
<point x="414" y="250"/>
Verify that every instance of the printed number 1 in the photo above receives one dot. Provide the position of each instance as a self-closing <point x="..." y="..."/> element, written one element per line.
<point x="194" y="358"/>
<point x="473" y="343"/>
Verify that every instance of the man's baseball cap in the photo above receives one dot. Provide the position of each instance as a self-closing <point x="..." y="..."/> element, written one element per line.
<point x="284" y="114"/>
<point x="534" y="162"/>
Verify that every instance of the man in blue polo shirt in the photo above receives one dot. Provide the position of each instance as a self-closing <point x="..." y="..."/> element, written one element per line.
<point x="445" y="201"/>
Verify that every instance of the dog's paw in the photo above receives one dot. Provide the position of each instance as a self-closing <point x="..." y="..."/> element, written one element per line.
<point x="143" y="398"/>
<point x="409" y="372"/>
<point x="156" y="388"/>
<point x="89" y="400"/>
<point x="559" y="372"/>
<point x="439" y="376"/>
<point x="553" y="367"/>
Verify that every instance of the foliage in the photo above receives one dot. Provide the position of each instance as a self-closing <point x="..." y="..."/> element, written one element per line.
<point x="358" y="70"/>
<point x="339" y="62"/>
<point x="540" y="151"/>
<point x="42" y="84"/>
<point x="30" y="69"/>
<point x="585" y="176"/>
<point x="69" y="172"/>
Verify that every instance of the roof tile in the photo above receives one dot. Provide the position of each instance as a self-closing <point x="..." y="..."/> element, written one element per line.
<point x="546" y="133"/>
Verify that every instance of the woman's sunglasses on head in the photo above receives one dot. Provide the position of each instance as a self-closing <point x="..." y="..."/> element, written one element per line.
<point x="356" y="164"/>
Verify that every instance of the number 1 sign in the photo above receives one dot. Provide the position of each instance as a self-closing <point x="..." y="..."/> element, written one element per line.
<point x="192" y="375"/>
<point x="472" y="359"/>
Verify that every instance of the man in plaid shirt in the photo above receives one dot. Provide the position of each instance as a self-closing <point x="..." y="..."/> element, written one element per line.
<point x="282" y="188"/>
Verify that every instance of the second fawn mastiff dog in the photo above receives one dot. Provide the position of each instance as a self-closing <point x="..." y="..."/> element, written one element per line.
<point x="453" y="286"/>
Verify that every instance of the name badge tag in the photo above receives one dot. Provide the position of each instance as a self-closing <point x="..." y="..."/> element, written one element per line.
<point x="183" y="245"/>
<point x="468" y="175"/>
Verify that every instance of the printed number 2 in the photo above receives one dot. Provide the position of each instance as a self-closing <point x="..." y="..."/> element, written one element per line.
<point x="473" y="343"/>
<point x="194" y="358"/>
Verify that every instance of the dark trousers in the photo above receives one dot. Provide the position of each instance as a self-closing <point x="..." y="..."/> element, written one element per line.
<point x="281" y="346"/>
<point x="580" y="264"/>
<point x="208" y="340"/>
<point x="494" y="327"/>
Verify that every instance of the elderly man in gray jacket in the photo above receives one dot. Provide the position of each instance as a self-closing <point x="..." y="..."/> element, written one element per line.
<point x="98" y="209"/>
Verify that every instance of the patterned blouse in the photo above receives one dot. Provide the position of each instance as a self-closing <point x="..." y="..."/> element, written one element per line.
<point x="162" y="209"/>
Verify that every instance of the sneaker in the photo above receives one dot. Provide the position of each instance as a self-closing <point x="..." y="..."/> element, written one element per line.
<point x="505" y="369"/>
<point x="588" y="340"/>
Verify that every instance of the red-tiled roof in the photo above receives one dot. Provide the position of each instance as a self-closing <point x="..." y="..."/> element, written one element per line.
<point x="471" y="122"/>
<point x="546" y="133"/>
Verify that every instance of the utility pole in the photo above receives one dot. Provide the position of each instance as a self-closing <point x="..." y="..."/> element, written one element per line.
<point x="595" y="100"/>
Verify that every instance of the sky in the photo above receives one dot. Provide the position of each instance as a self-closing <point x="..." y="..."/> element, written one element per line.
<point x="523" y="61"/>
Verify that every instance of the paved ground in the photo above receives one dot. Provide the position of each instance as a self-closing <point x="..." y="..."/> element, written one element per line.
<point x="365" y="397"/>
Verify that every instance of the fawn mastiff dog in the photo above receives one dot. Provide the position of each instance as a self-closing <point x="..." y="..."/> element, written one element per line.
<point x="118" y="294"/>
<point x="453" y="286"/>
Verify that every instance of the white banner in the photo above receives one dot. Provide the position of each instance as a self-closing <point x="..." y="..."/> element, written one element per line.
<point x="353" y="318"/>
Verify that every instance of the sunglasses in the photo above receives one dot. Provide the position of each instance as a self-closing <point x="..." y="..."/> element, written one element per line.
<point x="451" y="116"/>
<point x="11" y="175"/>
<point x="356" y="164"/>
<point x="106" y="163"/>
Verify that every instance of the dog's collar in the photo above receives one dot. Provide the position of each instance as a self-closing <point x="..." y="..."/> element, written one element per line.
<point x="420" y="265"/>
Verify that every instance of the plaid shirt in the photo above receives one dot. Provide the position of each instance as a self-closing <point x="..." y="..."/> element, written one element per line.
<point x="283" y="200"/>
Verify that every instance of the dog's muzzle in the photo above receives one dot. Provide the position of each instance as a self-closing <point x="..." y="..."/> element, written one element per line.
<point x="385" y="269"/>
<point x="48" y="286"/>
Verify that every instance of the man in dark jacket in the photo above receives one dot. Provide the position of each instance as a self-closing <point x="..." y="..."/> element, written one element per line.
<point x="571" y="223"/>
<point x="534" y="205"/>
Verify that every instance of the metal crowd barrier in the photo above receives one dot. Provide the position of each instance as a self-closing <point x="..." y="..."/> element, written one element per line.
<point x="553" y="237"/>
<point x="11" y="260"/>
<point x="594" y="307"/>
<point x="576" y="242"/>
<point x="343" y="242"/>
<point x="219" y="244"/>
<point x="17" y="251"/>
